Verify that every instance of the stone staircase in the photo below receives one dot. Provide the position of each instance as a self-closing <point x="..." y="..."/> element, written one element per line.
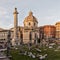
<point x="3" y="56"/>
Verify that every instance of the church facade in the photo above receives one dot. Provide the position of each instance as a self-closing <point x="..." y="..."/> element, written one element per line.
<point x="29" y="33"/>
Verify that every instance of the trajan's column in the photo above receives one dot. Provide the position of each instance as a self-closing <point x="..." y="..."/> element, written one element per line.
<point x="15" y="27"/>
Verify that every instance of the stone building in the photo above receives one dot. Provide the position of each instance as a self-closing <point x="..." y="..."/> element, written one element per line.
<point x="3" y="37"/>
<point x="47" y="32"/>
<point x="57" y="25"/>
<point x="29" y="33"/>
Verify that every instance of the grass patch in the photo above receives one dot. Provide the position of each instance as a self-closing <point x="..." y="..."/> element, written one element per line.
<point x="52" y="55"/>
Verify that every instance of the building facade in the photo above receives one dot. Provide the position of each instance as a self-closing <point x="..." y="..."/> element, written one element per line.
<point x="57" y="25"/>
<point x="41" y="32"/>
<point x="29" y="33"/>
<point x="47" y="31"/>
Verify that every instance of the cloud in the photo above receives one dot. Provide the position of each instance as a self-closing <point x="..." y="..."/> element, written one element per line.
<point x="49" y="17"/>
<point x="4" y="12"/>
<point x="48" y="20"/>
<point x="5" y="18"/>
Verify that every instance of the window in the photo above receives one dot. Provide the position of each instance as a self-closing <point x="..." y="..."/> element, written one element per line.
<point x="34" y="24"/>
<point x="29" y="24"/>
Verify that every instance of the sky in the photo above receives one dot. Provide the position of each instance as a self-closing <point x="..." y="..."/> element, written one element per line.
<point x="47" y="12"/>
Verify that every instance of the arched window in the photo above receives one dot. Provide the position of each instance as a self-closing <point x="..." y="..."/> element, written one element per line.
<point x="29" y="23"/>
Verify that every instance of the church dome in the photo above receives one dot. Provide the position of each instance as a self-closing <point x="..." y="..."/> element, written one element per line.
<point x="30" y="17"/>
<point x="57" y="23"/>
